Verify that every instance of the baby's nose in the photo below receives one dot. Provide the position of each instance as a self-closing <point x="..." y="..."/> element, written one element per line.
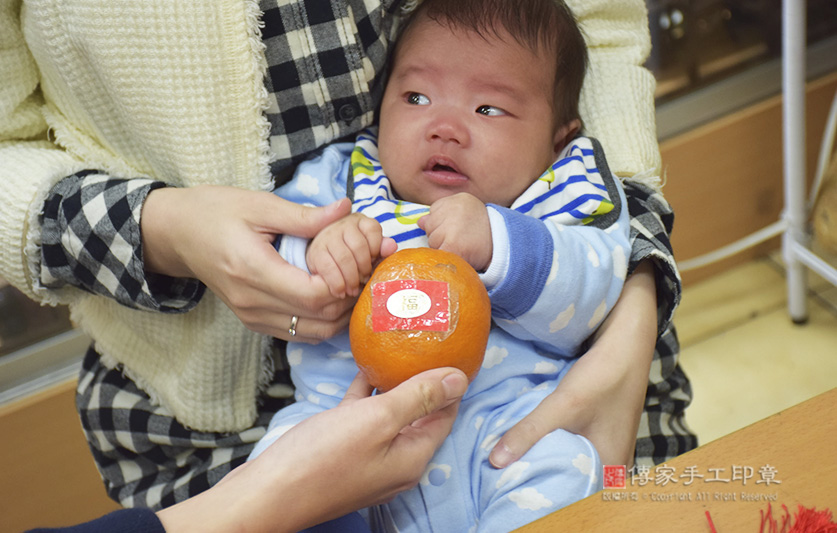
<point x="449" y="128"/>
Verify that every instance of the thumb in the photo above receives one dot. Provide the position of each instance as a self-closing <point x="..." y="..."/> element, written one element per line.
<point x="523" y="435"/>
<point x="305" y="221"/>
<point x="424" y="394"/>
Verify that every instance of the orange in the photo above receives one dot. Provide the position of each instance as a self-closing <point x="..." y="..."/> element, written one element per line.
<point x="421" y="309"/>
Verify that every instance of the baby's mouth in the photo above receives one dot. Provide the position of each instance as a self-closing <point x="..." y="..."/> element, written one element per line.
<point x="442" y="164"/>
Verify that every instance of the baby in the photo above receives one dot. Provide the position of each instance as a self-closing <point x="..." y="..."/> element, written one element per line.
<point x="477" y="153"/>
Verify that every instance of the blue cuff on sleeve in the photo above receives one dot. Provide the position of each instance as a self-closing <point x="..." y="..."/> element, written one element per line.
<point x="527" y="272"/>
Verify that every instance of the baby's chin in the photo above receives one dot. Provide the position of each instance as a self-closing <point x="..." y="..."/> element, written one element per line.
<point x="421" y="192"/>
<point x="429" y="197"/>
<point x="418" y="194"/>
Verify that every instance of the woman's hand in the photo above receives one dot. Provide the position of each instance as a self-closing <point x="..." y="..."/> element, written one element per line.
<point x="224" y="237"/>
<point x="603" y="394"/>
<point x="361" y="453"/>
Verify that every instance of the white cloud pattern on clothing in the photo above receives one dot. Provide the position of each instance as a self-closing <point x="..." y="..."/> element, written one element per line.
<point x="513" y="472"/>
<point x="592" y="256"/>
<point x="545" y="367"/>
<point x="308" y="185"/>
<point x="553" y="272"/>
<point x="583" y="463"/>
<point x="340" y="354"/>
<point x="598" y="315"/>
<point x="562" y="319"/>
<point x="494" y="356"/>
<point x="529" y="499"/>
<point x="620" y="263"/>
<point x="295" y="357"/>
<point x="489" y="442"/>
<point x="330" y="389"/>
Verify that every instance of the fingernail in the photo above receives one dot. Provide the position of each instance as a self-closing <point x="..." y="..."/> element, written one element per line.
<point x="455" y="385"/>
<point x="336" y="205"/>
<point x="501" y="457"/>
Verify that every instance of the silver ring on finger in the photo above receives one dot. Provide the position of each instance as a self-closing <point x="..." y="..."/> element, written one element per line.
<point x="292" y="329"/>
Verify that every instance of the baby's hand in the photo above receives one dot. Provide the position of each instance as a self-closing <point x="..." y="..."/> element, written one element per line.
<point x="460" y="224"/>
<point x="344" y="253"/>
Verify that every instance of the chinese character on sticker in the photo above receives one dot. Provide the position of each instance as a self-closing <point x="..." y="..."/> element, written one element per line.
<point x="690" y="473"/>
<point x="665" y="474"/>
<point x="614" y="476"/>
<point x="410" y="303"/>
<point x="768" y="475"/>
<point x="641" y="475"/>
<point x="742" y="473"/>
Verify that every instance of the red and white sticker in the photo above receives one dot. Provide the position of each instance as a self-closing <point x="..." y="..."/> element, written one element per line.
<point x="411" y="304"/>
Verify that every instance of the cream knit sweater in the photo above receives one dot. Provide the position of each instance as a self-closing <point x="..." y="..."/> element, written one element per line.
<point x="167" y="90"/>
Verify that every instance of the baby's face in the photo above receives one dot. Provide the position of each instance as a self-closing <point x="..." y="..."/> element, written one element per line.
<point x="466" y="114"/>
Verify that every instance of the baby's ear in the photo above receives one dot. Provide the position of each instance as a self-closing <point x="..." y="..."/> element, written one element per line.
<point x="564" y="134"/>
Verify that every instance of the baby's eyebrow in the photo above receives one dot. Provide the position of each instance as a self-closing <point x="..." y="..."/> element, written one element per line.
<point x="419" y="71"/>
<point x="429" y="73"/>
<point x="497" y="86"/>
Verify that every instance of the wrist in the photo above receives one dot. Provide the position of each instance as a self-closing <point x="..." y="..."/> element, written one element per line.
<point x="294" y="250"/>
<point x="158" y="225"/>
<point x="498" y="262"/>
<point x="244" y="501"/>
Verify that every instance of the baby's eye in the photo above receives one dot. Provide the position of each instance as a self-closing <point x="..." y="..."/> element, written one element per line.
<point x="417" y="99"/>
<point x="490" y="111"/>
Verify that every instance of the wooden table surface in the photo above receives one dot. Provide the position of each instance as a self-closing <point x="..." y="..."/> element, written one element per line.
<point x="789" y="458"/>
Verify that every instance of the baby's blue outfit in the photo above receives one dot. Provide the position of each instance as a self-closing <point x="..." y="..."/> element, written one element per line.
<point x="559" y="262"/>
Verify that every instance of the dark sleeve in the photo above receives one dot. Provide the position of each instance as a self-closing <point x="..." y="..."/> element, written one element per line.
<point x="663" y="433"/>
<point x="651" y="224"/>
<point x="91" y="239"/>
<point x="135" y="520"/>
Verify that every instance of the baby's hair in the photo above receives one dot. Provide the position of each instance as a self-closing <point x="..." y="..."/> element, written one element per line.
<point x="543" y="26"/>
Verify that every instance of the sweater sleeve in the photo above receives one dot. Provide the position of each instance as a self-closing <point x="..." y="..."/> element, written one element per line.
<point x="617" y="99"/>
<point x="63" y="228"/>
<point x="617" y="106"/>
<point x="31" y="164"/>
<point x="651" y="223"/>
